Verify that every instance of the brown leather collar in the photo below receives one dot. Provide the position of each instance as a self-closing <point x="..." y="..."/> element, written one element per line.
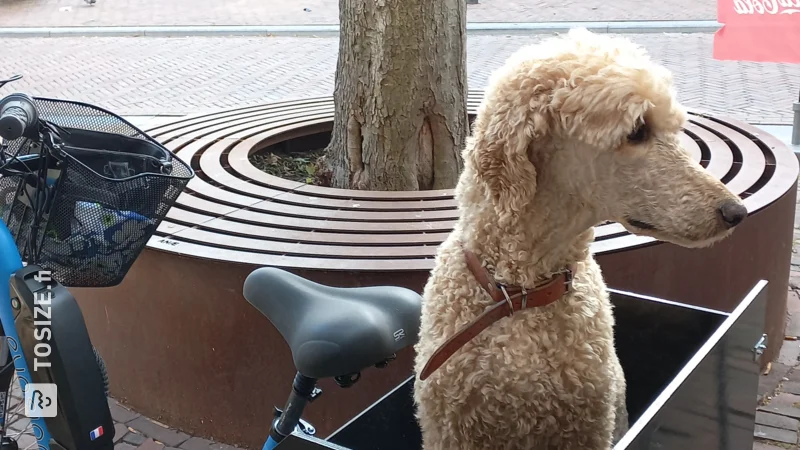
<point x="508" y="300"/>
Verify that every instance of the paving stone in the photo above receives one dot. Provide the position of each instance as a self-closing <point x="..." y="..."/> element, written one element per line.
<point x="134" y="438"/>
<point x="794" y="375"/>
<point x="14" y="403"/>
<point x="124" y="446"/>
<point x="768" y="383"/>
<point x="120" y="430"/>
<point x="149" y="444"/>
<point x="167" y="436"/>
<point x="761" y="445"/>
<point x="218" y="446"/>
<point x="26" y="441"/>
<point x="16" y="390"/>
<point x="20" y="424"/>
<point x="776" y="421"/>
<point x="782" y="410"/>
<point x="790" y="353"/>
<point x="196" y="443"/>
<point x="119" y="413"/>
<point x="791" y="387"/>
<point x="12" y="417"/>
<point x="794" y="278"/>
<point x="792" y="301"/>
<point x="786" y="399"/>
<point x="775" y="434"/>
<point x="793" y="324"/>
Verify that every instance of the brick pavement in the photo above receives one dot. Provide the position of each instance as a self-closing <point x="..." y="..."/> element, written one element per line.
<point x="159" y="76"/>
<point x="777" y="423"/>
<point x="152" y="76"/>
<point x="55" y="13"/>
<point x="132" y="431"/>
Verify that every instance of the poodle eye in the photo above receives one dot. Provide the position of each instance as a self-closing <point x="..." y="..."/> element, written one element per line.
<point x="639" y="134"/>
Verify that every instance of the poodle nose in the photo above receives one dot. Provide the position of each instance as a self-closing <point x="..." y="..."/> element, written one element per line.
<point x="732" y="212"/>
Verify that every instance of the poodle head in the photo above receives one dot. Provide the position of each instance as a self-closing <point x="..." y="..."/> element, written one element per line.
<point x="590" y="119"/>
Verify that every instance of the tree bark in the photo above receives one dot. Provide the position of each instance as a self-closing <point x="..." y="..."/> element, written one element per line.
<point x="400" y="95"/>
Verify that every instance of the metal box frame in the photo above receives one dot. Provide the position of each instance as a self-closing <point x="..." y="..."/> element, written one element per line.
<point x="692" y="377"/>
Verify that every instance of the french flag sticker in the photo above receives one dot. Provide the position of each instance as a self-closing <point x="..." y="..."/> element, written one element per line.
<point x="96" y="433"/>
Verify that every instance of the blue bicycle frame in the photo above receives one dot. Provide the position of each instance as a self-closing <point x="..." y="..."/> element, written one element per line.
<point x="270" y="444"/>
<point x="10" y="262"/>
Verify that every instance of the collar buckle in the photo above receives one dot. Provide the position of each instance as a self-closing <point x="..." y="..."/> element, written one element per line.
<point x="568" y="277"/>
<point x="508" y="299"/>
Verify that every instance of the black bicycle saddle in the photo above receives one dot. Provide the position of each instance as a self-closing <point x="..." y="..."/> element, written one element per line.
<point x="335" y="331"/>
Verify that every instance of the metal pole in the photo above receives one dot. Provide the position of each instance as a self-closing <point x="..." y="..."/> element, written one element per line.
<point x="796" y="124"/>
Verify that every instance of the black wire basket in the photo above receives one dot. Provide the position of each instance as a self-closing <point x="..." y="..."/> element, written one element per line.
<point x="85" y="205"/>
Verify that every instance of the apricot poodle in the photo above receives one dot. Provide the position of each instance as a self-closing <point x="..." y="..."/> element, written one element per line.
<point x="516" y="347"/>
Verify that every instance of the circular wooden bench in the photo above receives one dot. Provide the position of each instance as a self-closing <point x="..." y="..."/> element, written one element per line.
<point x="181" y="342"/>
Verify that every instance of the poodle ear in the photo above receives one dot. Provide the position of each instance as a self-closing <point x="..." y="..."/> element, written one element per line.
<point x="499" y="153"/>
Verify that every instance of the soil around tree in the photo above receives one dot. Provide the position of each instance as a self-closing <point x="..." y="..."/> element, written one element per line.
<point x="300" y="166"/>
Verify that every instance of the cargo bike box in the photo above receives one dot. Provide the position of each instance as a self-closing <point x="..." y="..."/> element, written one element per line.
<point x="692" y="376"/>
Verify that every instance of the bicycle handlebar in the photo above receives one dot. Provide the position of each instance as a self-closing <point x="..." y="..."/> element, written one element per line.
<point x="18" y="116"/>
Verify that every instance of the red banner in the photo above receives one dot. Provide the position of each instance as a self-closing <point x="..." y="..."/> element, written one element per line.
<point x="758" y="30"/>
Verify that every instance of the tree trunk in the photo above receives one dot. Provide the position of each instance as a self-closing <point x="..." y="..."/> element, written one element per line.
<point x="400" y="95"/>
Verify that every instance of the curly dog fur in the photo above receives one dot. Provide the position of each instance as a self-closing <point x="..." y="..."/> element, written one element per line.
<point x="571" y="132"/>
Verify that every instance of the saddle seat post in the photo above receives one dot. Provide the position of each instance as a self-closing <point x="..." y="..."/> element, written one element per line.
<point x="302" y="393"/>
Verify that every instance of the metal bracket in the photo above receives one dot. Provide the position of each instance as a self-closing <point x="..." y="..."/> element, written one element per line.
<point x="302" y="426"/>
<point x="314" y="394"/>
<point x="759" y="348"/>
<point x="306" y="428"/>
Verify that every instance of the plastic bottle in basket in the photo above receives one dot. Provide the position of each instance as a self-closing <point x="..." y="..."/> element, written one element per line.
<point x="101" y="240"/>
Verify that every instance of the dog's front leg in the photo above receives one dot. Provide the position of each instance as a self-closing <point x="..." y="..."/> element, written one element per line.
<point x="620" y="419"/>
<point x="621" y="410"/>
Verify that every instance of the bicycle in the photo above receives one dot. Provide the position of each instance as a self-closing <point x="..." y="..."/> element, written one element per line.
<point x="62" y="164"/>
<point x="81" y="193"/>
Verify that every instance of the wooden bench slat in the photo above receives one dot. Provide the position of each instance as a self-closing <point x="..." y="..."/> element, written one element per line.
<point x="229" y="227"/>
<point x="259" y="218"/>
<point x="367" y="265"/>
<point x="205" y="206"/>
<point x="193" y="120"/>
<point x="691" y="147"/>
<point x="351" y="214"/>
<point x="226" y="123"/>
<point x="234" y="256"/>
<point x="753" y="163"/>
<point x="721" y="159"/>
<point x="626" y="242"/>
<point x="783" y="163"/>
<point x="361" y="227"/>
<point x="305" y="249"/>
